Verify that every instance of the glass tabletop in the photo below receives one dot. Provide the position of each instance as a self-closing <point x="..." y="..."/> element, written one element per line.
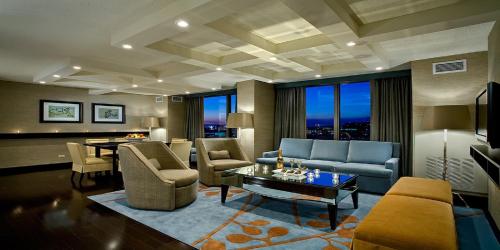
<point x="308" y="177"/>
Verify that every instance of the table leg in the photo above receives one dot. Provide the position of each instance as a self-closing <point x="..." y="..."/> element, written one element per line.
<point x="355" y="199"/>
<point x="332" y="213"/>
<point x="97" y="152"/>
<point x="115" y="165"/>
<point x="223" y="193"/>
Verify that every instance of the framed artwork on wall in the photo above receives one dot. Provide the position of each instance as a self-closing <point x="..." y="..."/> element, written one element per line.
<point x="108" y="113"/>
<point x="61" y="112"/>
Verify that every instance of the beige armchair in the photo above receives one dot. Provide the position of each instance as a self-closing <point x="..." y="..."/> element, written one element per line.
<point x="211" y="170"/>
<point x="82" y="163"/>
<point x="182" y="150"/>
<point x="155" y="178"/>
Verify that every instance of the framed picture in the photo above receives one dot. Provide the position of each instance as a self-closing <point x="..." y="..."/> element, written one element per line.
<point x="61" y="111"/>
<point x="108" y="113"/>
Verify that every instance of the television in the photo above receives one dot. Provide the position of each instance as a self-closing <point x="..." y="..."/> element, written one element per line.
<point x="488" y="115"/>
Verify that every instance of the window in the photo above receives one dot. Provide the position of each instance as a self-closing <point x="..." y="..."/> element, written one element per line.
<point x="215" y="111"/>
<point x="233" y="132"/>
<point x="355" y="111"/>
<point x="320" y="112"/>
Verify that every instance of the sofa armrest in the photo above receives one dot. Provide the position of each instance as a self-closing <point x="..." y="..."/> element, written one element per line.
<point x="393" y="164"/>
<point x="270" y="154"/>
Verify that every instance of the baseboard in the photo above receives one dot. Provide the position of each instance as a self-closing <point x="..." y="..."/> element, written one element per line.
<point x="36" y="168"/>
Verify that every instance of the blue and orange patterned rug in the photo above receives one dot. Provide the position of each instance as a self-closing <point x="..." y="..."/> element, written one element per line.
<point x="250" y="221"/>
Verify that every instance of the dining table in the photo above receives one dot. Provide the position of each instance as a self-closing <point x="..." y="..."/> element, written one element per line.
<point x="111" y="145"/>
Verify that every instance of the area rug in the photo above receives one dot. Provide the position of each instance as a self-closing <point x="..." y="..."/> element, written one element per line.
<point x="249" y="221"/>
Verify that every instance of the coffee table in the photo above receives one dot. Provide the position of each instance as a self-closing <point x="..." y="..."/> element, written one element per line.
<point x="326" y="187"/>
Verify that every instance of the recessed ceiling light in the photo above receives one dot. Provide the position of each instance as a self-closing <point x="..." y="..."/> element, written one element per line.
<point x="379" y="68"/>
<point x="273" y="58"/>
<point x="317" y="76"/>
<point x="42" y="82"/>
<point x="218" y="68"/>
<point x="165" y="95"/>
<point x="351" y="43"/>
<point x="187" y="92"/>
<point x="114" y="90"/>
<point x="135" y="85"/>
<point x="127" y="46"/>
<point x="56" y="76"/>
<point x="159" y="80"/>
<point x="270" y="81"/>
<point x="182" y="23"/>
<point x="214" y="88"/>
<point x="77" y="67"/>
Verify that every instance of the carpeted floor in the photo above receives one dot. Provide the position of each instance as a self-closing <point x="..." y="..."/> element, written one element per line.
<point x="249" y="221"/>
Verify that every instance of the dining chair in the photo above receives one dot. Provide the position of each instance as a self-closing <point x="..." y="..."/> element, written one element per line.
<point x="178" y="140"/>
<point x="82" y="163"/>
<point x="182" y="150"/>
<point x="91" y="150"/>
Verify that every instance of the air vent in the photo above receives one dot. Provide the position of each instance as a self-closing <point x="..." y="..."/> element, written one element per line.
<point x="449" y="67"/>
<point x="159" y="99"/>
<point x="176" y="98"/>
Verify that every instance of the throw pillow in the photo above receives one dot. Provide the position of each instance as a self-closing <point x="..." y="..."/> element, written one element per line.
<point x="219" y="155"/>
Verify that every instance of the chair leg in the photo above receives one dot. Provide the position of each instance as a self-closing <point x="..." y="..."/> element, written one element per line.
<point x="81" y="178"/>
<point x="72" y="175"/>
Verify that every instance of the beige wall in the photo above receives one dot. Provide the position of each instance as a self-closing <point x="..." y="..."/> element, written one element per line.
<point x="19" y="110"/>
<point x="257" y="98"/>
<point x="448" y="89"/>
<point x="176" y="119"/>
<point x="494" y="75"/>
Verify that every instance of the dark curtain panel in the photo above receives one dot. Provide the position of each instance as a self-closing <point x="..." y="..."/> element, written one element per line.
<point x="194" y="118"/>
<point x="290" y="114"/>
<point x="392" y="116"/>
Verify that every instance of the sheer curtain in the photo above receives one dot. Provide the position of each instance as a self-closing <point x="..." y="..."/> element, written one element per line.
<point x="290" y="114"/>
<point x="392" y="116"/>
<point x="194" y="118"/>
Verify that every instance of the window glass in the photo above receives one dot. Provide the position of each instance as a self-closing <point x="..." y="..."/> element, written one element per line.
<point x="320" y="112"/>
<point x="355" y="111"/>
<point x="215" y="111"/>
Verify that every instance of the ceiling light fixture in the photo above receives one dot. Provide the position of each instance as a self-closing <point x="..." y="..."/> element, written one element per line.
<point x="270" y="81"/>
<point x="187" y="92"/>
<point x="159" y="80"/>
<point x="76" y="67"/>
<point x="218" y="68"/>
<point x="317" y="76"/>
<point x="351" y="43"/>
<point x="379" y="68"/>
<point x="214" y="88"/>
<point x="135" y="85"/>
<point x="182" y="23"/>
<point x="127" y="46"/>
<point x="114" y="90"/>
<point x="165" y="95"/>
<point x="56" y="76"/>
<point x="273" y="58"/>
<point x="42" y="82"/>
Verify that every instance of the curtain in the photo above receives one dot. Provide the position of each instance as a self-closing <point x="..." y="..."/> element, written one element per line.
<point x="194" y="118"/>
<point x="290" y="114"/>
<point x="392" y="116"/>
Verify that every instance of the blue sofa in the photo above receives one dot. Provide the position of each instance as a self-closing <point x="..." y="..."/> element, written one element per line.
<point x="375" y="162"/>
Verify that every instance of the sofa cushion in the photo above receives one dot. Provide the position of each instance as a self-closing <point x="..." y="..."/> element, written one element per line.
<point x="402" y="222"/>
<point x="330" y="150"/>
<point x="219" y="155"/>
<point x="296" y="148"/>
<point x="321" y="164"/>
<point x="364" y="169"/>
<point x="226" y="164"/>
<point x="373" y="152"/>
<point x="155" y="163"/>
<point x="182" y="177"/>
<point x="423" y="188"/>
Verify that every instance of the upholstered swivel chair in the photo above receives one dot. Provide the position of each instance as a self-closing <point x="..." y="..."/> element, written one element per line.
<point x="182" y="150"/>
<point x="211" y="169"/>
<point x="155" y="178"/>
<point x="82" y="163"/>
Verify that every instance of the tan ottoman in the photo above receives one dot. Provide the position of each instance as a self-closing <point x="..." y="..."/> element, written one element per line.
<point x="423" y="188"/>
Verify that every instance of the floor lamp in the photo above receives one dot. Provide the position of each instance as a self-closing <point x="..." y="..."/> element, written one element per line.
<point x="239" y="121"/>
<point x="450" y="117"/>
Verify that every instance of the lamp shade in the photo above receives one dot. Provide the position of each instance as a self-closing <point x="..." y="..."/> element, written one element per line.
<point x="447" y="117"/>
<point x="150" y="122"/>
<point x="239" y="120"/>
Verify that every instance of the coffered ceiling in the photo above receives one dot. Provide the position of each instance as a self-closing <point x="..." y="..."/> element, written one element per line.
<point x="227" y="41"/>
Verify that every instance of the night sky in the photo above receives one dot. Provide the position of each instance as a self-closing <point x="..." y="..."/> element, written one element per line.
<point x="215" y="109"/>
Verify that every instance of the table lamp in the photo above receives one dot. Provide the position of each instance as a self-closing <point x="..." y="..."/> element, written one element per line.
<point x="239" y="121"/>
<point x="150" y="122"/>
<point x="454" y="117"/>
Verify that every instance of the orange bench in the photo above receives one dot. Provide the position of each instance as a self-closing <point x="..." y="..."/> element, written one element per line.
<point x="415" y="213"/>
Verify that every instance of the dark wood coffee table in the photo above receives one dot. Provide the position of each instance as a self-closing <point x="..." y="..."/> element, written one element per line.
<point x="321" y="187"/>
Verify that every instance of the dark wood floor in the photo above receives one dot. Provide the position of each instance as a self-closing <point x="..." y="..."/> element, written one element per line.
<point x="42" y="210"/>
